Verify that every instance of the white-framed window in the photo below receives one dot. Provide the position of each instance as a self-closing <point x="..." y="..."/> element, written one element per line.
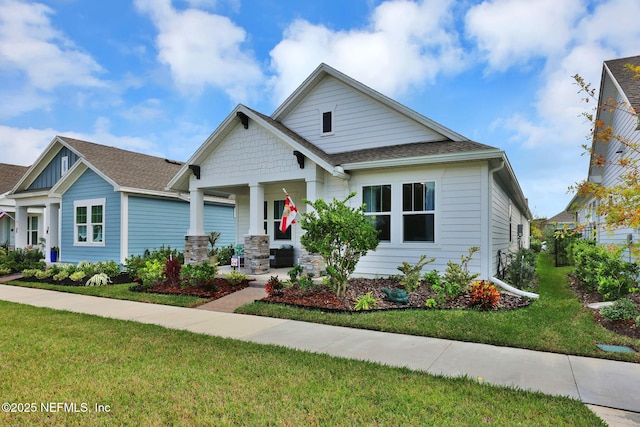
<point x="64" y="165"/>
<point x="418" y="211"/>
<point x="377" y="200"/>
<point x="89" y="221"/>
<point x="32" y="230"/>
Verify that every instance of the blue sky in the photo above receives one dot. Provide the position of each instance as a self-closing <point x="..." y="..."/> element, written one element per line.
<point x="158" y="76"/>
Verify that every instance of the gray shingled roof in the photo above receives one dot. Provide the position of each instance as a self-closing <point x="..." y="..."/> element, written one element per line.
<point x="10" y="175"/>
<point x="563" y="217"/>
<point x="416" y="149"/>
<point x="127" y="168"/>
<point x="625" y="79"/>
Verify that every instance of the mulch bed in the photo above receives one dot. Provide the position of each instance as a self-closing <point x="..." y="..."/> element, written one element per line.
<point x="213" y="289"/>
<point x="620" y="327"/>
<point x="325" y="300"/>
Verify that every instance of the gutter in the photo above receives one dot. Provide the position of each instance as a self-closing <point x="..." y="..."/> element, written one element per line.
<point x="513" y="290"/>
<point x="490" y="214"/>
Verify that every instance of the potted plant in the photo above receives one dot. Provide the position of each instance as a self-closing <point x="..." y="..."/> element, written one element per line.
<point x="213" y="253"/>
<point x="54" y="253"/>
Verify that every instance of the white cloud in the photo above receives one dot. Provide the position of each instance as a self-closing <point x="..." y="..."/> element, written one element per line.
<point x="203" y="49"/>
<point x="390" y="57"/>
<point x="512" y="32"/>
<point x="32" y="47"/>
<point x="22" y="146"/>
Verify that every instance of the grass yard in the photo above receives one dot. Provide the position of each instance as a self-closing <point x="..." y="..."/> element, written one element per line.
<point x="557" y="322"/>
<point x="120" y="291"/>
<point x="148" y="375"/>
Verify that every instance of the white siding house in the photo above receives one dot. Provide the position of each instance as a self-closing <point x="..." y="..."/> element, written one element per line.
<point x="431" y="190"/>
<point x="617" y="87"/>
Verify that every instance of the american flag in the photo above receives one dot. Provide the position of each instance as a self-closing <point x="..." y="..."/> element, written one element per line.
<point x="2" y="214"/>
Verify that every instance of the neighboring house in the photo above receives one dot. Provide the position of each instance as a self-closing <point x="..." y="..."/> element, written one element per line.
<point x="563" y="219"/>
<point x="619" y="86"/>
<point x="102" y="203"/>
<point x="431" y="190"/>
<point x="9" y="176"/>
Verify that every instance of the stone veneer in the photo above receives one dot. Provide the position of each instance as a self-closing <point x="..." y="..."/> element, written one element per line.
<point x="310" y="262"/>
<point x="196" y="249"/>
<point x="256" y="254"/>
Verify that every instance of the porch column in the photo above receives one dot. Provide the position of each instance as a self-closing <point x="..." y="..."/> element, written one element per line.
<point x="21" y="227"/>
<point x="196" y="213"/>
<point x="256" y="209"/>
<point x="51" y="215"/>
<point x="196" y="242"/>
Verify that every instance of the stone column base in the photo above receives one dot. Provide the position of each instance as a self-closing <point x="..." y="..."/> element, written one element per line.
<point x="256" y="254"/>
<point x="311" y="263"/>
<point x="196" y="249"/>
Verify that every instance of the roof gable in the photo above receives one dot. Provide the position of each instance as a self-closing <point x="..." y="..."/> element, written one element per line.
<point x="125" y="170"/>
<point x="319" y="77"/>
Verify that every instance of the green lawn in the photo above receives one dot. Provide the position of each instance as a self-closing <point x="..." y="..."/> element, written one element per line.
<point x="118" y="292"/>
<point x="557" y="322"/>
<point x="148" y="375"/>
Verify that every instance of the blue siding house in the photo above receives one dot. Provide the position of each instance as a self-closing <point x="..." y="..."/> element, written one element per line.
<point x="102" y="203"/>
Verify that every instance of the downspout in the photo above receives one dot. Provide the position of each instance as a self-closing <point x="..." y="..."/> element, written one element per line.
<point x="493" y="279"/>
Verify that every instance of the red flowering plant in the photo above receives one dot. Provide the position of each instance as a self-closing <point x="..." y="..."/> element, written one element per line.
<point x="484" y="295"/>
<point x="274" y="286"/>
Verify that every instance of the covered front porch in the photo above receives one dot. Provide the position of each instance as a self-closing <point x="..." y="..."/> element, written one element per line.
<point x="258" y="213"/>
<point x="37" y="223"/>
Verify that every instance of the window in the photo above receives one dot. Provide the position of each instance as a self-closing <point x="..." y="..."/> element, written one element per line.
<point x="64" y="165"/>
<point x="327" y="122"/>
<point x="89" y="222"/>
<point x="377" y="199"/>
<point x="278" y="208"/>
<point x="32" y="230"/>
<point x="266" y="208"/>
<point x="418" y="207"/>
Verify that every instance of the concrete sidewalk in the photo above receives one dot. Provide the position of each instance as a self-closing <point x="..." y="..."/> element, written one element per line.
<point x="605" y="383"/>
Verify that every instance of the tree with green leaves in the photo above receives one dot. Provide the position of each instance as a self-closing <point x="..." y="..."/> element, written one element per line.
<point x="341" y="235"/>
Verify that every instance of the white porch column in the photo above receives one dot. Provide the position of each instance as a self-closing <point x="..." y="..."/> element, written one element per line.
<point x="256" y="209"/>
<point x="196" y="213"/>
<point x="21" y="227"/>
<point x="51" y="215"/>
<point x="314" y="190"/>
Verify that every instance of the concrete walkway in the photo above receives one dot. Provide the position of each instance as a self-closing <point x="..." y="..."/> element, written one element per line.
<point x="612" y="386"/>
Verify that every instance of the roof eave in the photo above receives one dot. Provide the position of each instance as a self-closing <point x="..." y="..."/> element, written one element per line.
<point x="426" y="159"/>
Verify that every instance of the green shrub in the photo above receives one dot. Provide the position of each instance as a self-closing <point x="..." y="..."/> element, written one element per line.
<point x="341" y="235"/>
<point x="457" y="276"/>
<point x="602" y="269"/>
<point x="60" y="276"/>
<point x="522" y="269"/>
<point x="77" y="275"/>
<point x="431" y="303"/>
<point x="44" y="274"/>
<point x="411" y="273"/>
<point x="432" y="278"/>
<point x="21" y="259"/>
<point x="135" y="263"/>
<point x="4" y="271"/>
<point x="151" y="272"/>
<point x="365" y="302"/>
<point x="29" y="272"/>
<point x="622" y="309"/>
<point x="198" y="274"/>
<point x="110" y="268"/>
<point x="235" y="277"/>
<point x="445" y="290"/>
<point x="224" y="254"/>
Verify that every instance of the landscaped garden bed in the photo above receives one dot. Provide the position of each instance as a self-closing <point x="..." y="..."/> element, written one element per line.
<point x="323" y="298"/>
<point x="213" y="289"/>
